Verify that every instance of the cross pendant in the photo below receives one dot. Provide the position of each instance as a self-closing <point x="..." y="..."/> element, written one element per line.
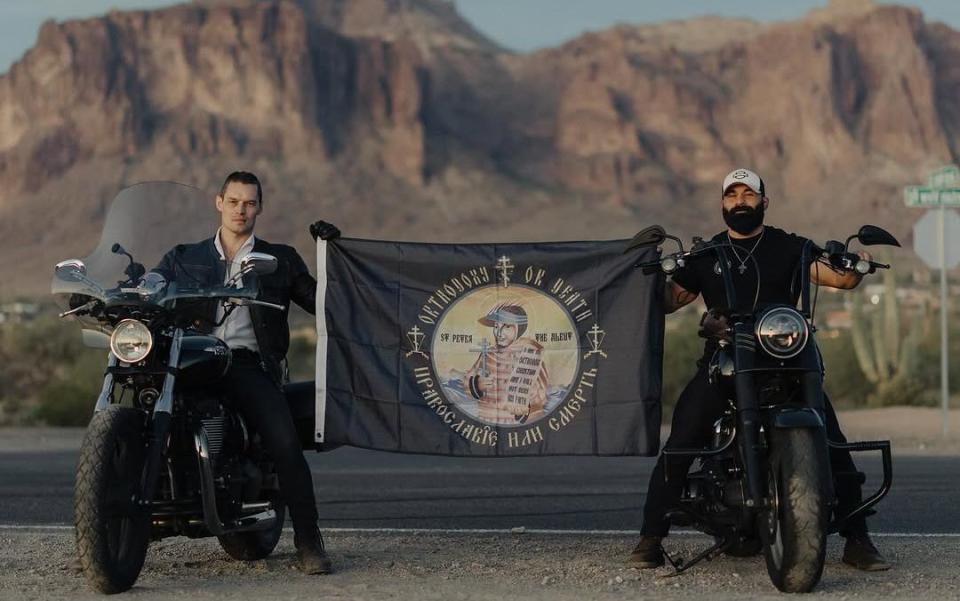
<point x="742" y="268"/>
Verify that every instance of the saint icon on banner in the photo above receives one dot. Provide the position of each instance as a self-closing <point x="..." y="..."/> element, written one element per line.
<point x="509" y="379"/>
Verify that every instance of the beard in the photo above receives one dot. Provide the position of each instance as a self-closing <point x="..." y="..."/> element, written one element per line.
<point x="744" y="220"/>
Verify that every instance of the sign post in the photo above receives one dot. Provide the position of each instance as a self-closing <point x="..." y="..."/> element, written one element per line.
<point x="943" y="191"/>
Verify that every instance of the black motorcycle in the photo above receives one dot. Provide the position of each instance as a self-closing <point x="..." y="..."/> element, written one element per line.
<point x="164" y="454"/>
<point x="765" y="483"/>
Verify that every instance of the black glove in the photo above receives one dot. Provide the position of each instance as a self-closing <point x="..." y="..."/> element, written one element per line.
<point x="714" y="324"/>
<point x="324" y="230"/>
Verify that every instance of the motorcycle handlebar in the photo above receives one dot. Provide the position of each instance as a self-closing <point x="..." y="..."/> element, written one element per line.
<point x="249" y="301"/>
<point x="838" y="259"/>
<point x="852" y="262"/>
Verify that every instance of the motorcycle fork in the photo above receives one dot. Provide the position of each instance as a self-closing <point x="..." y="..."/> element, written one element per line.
<point x="160" y="424"/>
<point x="748" y="414"/>
<point x="106" y="391"/>
<point x="813" y="398"/>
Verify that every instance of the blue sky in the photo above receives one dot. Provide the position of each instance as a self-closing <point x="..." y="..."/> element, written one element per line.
<point x="518" y="24"/>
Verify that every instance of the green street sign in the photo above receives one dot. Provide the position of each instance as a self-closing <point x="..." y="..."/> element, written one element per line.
<point x="921" y="196"/>
<point x="945" y="177"/>
<point x="943" y="190"/>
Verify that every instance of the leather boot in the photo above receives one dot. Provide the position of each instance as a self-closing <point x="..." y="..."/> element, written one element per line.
<point x="311" y="555"/>
<point x="647" y="554"/>
<point x="860" y="553"/>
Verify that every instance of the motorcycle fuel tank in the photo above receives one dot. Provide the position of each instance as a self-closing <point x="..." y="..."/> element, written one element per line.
<point x="203" y="360"/>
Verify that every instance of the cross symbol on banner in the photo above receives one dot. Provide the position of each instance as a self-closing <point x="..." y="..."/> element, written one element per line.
<point x="505" y="267"/>
<point x="596" y="336"/>
<point x="484" y="350"/>
<point x="416" y="336"/>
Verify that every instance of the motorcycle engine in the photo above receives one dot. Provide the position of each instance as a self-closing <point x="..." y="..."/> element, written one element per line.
<point x="234" y="452"/>
<point x="225" y="431"/>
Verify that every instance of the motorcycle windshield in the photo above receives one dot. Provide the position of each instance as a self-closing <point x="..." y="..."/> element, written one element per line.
<point x="156" y="247"/>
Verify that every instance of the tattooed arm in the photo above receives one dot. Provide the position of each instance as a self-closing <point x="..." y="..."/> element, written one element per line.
<point x="823" y="274"/>
<point x="676" y="296"/>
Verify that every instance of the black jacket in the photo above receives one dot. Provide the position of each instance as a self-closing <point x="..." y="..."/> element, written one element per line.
<point x="290" y="282"/>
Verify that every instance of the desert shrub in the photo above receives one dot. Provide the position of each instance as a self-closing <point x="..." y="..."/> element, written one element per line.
<point x="68" y="399"/>
<point x="844" y="380"/>
<point x="682" y="349"/>
<point x="37" y="355"/>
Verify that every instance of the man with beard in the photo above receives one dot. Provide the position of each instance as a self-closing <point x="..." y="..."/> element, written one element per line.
<point x="767" y="257"/>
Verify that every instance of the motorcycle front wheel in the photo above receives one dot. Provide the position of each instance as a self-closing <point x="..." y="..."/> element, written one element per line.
<point x="795" y="524"/>
<point x="112" y="531"/>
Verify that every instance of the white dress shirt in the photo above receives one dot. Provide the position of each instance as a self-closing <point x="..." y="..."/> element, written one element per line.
<point x="237" y="329"/>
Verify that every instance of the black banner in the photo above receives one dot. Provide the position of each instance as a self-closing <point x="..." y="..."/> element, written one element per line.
<point x="489" y="349"/>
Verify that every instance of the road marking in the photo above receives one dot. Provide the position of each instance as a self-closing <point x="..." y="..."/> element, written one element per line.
<point x="62" y="527"/>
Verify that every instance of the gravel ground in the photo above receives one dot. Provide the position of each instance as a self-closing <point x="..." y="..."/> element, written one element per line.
<point x="37" y="564"/>
<point x="461" y="567"/>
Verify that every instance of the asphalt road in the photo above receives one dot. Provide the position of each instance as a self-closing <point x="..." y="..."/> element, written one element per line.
<point x="366" y="489"/>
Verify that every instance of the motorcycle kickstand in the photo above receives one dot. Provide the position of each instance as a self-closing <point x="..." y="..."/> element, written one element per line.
<point x="680" y="566"/>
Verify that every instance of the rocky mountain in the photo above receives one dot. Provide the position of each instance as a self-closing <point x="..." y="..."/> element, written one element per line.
<point x="397" y="119"/>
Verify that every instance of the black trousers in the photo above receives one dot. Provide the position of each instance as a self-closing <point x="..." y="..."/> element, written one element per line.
<point x="264" y="408"/>
<point x="700" y="405"/>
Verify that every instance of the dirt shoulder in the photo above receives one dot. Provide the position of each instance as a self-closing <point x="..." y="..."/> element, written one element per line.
<point x="911" y="430"/>
<point x="537" y="567"/>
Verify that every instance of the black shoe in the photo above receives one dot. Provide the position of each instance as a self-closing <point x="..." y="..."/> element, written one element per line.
<point x="647" y="554"/>
<point x="311" y="555"/>
<point x="860" y="553"/>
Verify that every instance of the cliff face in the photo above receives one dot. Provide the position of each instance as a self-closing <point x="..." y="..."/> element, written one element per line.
<point x="803" y="102"/>
<point x="398" y="119"/>
<point x="202" y="81"/>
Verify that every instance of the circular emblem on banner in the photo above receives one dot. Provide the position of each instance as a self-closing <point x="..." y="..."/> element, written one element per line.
<point x="506" y="356"/>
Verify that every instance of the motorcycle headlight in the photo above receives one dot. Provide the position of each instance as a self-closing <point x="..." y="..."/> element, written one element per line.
<point x="782" y="332"/>
<point x="131" y="341"/>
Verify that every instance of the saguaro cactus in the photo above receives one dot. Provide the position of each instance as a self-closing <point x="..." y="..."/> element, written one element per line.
<point x="886" y="356"/>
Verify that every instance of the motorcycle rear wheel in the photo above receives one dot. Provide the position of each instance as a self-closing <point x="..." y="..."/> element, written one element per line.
<point x="250" y="546"/>
<point x="112" y="531"/>
<point x="794" y="527"/>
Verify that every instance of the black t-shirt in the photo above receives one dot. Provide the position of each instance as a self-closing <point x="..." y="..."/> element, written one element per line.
<point x="777" y="256"/>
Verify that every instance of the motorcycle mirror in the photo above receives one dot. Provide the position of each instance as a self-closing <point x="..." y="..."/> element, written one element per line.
<point x="70" y="268"/>
<point x="648" y="236"/>
<point x="870" y="235"/>
<point x="258" y="263"/>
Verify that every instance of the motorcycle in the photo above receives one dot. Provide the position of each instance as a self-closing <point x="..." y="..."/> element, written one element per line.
<point x="765" y="483"/>
<point x="164" y="454"/>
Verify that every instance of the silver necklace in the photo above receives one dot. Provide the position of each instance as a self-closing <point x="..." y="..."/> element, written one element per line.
<point x="743" y="262"/>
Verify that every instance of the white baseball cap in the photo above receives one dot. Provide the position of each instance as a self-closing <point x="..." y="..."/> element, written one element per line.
<point x="743" y="176"/>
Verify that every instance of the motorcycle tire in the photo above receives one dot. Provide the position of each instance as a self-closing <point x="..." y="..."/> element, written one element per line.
<point x="794" y="527"/>
<point x="112" y="531"/>
<point x="250" y="546"/>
